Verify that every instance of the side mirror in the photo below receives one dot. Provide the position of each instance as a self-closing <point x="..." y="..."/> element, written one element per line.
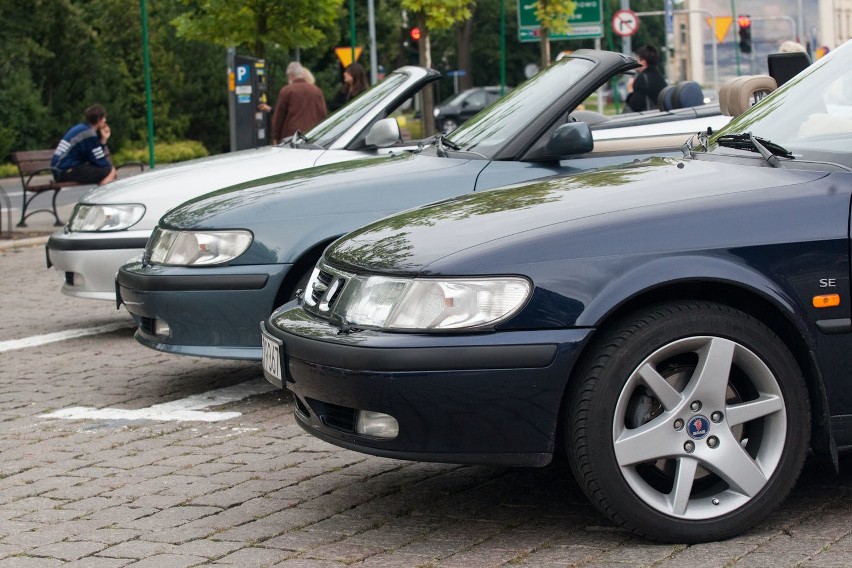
<point x="384" y="133"/>
<point x="570" y="139"/>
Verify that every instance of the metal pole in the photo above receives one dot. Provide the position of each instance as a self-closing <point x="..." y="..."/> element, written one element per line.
<point x="148" y="104"/>
<point x="626" y="41"/>
<point x="232" y="107"/>
<point x="801" y="27"/>
<point x="352" y="27"/>
<point x="736" y="43"/>
<point x="371" y="22"/>
<point x="502" y="47"/>
<point x="715" y="56"/>
<point x="600" y="91"/>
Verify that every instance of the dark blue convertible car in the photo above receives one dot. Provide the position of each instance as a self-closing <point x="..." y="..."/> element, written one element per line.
<point x="218" y="264"/>
<point x="679" y="327"/>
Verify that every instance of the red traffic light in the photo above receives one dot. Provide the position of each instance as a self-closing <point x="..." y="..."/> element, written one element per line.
<point x="744" y="22"/>
<point x="415" y="33"/>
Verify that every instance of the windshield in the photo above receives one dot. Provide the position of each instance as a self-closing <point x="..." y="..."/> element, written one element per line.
<point x="490" y="129"/>
<point x="330" y="129"/>
<point x="810" y="115"/>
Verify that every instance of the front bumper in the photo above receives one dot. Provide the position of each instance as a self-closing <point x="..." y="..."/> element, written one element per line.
<point x="209" y="312"/>
<point x="88" y="262"/>
<point x="488" y="398"/>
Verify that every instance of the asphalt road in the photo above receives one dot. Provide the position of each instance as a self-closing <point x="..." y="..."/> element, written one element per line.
<point x="114" y="455"/>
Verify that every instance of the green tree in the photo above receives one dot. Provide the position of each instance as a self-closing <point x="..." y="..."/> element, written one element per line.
<point x="254" y="25"/>
<point x="553" y="15"/>
<point x="437" y="15"/>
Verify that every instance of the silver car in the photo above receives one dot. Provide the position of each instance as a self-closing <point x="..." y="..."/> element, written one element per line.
<point x="111" y="224"/>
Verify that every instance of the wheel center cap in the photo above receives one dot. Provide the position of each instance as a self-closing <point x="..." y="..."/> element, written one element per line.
<point x="698" y="427"/>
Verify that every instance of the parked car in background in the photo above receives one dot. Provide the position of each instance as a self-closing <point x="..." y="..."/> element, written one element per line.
<point x="453" y="112"/>
<point x="679" y="327"/>
<point x="216" y="266"/>
<point x="111" y="224"/>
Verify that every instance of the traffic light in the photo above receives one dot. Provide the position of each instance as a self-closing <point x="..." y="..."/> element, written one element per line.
<point x="744" y="23"/>
<point x="411" y="44"/>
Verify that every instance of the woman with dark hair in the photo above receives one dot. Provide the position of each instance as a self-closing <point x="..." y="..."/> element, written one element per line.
<point x="645" y="88"/>
<point x="354" y="83"/>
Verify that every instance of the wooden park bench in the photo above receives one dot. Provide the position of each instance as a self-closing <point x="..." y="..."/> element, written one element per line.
<point x="36" y="163"/>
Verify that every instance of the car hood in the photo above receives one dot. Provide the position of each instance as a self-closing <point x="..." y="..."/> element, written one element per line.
<point x="585" y="212"/>
<point x="323" y="191"/>
<point x="183" y="181"/>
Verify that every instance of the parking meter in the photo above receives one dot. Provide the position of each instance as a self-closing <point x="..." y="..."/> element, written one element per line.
<point x="247" y="89"/>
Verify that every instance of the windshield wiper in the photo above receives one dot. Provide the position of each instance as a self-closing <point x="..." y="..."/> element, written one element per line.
<point x="305" y="143"/>
<point x="747" y="141"/>
<point x="440" y="140"/>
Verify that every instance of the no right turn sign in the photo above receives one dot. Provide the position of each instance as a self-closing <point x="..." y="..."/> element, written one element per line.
<point x="625" y="23"/>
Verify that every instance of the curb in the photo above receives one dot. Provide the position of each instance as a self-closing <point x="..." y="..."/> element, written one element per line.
<point x="23" y="243"/>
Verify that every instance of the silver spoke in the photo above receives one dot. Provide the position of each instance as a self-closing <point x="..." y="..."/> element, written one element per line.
<point x="714" y="368"/>
<point x="684" y="478"/>
<point x="735" y="466"/>
<point x="665" y="393"/>
<point x="649" y="442"/>
<point x="748" y="411"/>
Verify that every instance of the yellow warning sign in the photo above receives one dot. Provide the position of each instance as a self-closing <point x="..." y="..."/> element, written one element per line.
<point x="723" y="24"/>
<point x="344" y="54"/>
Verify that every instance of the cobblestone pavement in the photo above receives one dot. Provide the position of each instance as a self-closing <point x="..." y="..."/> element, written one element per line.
<point x="255" y="490"/>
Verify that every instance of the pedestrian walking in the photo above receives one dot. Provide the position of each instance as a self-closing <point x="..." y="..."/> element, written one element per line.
<point x="300" y="105"/>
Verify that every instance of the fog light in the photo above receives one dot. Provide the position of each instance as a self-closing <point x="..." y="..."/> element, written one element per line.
<point x="376" y="424"/>
<point x="161" y="328"/>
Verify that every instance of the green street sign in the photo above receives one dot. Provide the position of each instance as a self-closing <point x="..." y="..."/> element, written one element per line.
<point x="586" y="23"/>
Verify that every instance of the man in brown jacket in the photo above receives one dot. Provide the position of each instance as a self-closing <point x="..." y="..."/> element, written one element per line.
<point x="300" y="105"/>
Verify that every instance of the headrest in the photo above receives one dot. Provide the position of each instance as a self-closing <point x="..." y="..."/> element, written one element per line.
<point x="785" y="66"/>
<point x="665" y="100"/>
<point x="688" y="94"/>
<point x="746" y="91"/>
<point x="684" y="94"/>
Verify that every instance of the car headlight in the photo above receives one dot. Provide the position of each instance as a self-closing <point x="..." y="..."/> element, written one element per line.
<point x="90" y="218"/>
<point x="437" y="112"/>
<point x="430" y="304"/>
<point x="196" y="248"/>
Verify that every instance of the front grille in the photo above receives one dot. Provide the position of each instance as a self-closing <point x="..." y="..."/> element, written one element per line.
<point x="320" y="285"/>
<point x="324" y="288"/>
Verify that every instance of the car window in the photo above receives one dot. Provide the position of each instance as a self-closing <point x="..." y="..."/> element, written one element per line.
<point x="475" y="100"/>
<point x="490" y="129"/>
<point x="812" y="121"/>
<point x="404" y="116"/>
<point x="330" y="129"/>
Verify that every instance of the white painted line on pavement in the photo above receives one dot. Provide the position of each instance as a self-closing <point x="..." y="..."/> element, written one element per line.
<point x="183" y="410"/>
<point x="36" y="340"/>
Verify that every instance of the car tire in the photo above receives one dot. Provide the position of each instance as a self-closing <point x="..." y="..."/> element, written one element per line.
<point x="716" y="441"/>
<point x="448" y="125"/>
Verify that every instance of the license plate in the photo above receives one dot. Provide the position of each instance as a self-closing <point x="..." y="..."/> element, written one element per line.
<point x="272" y="358"/>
